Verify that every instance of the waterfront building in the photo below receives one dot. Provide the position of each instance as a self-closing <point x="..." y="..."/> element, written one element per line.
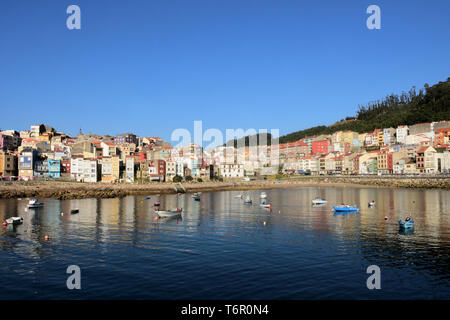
<point x="129" y="169"/>
<point x="231" y="170"/>
<point x="8" y="164"/>
<point x="26" y="163"/>
<point x="54" y="168"/>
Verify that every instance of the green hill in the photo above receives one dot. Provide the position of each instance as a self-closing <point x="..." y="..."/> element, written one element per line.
<point x="427" y="105"/>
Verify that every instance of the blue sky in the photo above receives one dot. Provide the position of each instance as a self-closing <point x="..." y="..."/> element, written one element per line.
<point x="153" y="66"/>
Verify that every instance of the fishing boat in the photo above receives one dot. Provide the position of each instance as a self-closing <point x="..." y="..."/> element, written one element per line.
<point x="319" y="201"/>
<point x="263" y="195"/>
<point x="408" y="223"/>
<point x="14" y="220"/>
<point x="247" y="200"/>
<point x="196" y="196"/>
<point x="346" y="208"/>
<point x="74" y="211"/>
<point x="169" y="213"/>
<point x="33" y="203"/>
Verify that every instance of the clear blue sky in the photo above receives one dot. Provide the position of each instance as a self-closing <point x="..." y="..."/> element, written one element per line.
<point x="153" y="66"/>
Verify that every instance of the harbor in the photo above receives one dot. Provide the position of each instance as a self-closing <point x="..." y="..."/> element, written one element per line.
<point x="219" y="247"/>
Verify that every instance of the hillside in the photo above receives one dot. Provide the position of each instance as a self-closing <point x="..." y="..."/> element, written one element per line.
<point x="427" y="105"/>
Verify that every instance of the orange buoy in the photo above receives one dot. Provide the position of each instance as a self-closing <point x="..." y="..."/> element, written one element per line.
<point x="5" y="223"/>
<point x="47" y="237"/>
<point x="156" y="218"/>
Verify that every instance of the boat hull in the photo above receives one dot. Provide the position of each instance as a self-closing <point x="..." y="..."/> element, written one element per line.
<point x="346" y="209"/>
<point x="406" y="224"/>
<point x="168" y="214"/>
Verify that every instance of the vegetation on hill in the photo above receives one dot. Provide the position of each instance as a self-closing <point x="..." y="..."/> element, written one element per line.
<point x="427" y="105"/>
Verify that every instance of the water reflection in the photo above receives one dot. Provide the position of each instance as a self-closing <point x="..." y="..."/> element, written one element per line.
<point x="221" y="233"/>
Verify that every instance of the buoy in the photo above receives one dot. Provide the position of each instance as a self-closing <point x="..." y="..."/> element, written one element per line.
<point x="156" y="218"/>
<point x="5" y="223"/>
<point x="62" y="213"/>
<point x="47" y="237"/>
<point x="385" y="218"/>
<point x="265" y="223"/>
<point x="279" y="211"/>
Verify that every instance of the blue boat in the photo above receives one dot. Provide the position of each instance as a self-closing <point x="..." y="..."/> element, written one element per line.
<point x="346" y="208"/>
<point x="406" y="224"/>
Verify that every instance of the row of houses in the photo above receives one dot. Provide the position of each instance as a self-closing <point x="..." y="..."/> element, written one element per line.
<point x="43" y="152"/>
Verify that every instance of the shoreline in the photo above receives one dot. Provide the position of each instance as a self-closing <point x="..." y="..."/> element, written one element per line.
<point x="78" y="190"/>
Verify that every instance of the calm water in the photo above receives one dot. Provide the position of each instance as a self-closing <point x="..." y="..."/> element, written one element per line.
<point x="221" y="248"/>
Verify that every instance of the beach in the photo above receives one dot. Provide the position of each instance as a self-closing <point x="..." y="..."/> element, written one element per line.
<point x="79" y="190"/>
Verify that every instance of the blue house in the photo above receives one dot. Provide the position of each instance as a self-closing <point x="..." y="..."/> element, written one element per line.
<point x="54" y="168"/>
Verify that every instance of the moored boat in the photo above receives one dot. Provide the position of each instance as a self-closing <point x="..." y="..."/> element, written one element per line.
<point x="247" y="200"/>
<point x="196" y="196"/>
<point x="408" y="223"/>
<point x="263" y="195"/>
<point x="371" y="204"/>
<point x="14" y="220"/>
<point x="169" y="213"/>
<point x="319" y="201"/>
<point x="345" y="208"/>
<point x="74" y="211"/>
<point x="34" y="203"/>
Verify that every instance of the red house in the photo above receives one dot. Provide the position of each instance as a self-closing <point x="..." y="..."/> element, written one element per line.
<point x="320" y="146"/>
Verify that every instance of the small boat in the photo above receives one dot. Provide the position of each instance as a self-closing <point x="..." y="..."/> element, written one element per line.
<point x="247" y="200"/>
<point x="33" y="203"/>
<point x="319" y="201"/>
<point x="147" y="198"/>
<point x="14" y="220"/>
<point x="263" y="195"/>
<point x="74" y="211"/>
<point x="265" y="205"/>
<point x="345" y="208"/>
<point x="196" y="197"/>
<point x="157" y="204"/>
<point x="239" y="196"/>
<point x="371" y="204"/>
<point x="408" y="223"/>
<point x="169" y="213"/>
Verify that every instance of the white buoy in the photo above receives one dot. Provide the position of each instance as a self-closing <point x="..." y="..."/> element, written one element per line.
<point x="62" y="213"/>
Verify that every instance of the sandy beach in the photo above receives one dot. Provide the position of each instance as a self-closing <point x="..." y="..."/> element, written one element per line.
<point x="78" y="190"/>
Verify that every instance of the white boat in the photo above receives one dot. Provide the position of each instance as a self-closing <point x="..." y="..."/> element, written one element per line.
<point x="319" y="201"/>
<point x="264" y="205"/>
<point x="239" y="196"/>
<point x="248" y="200"/>
<point x="169" y="213"/>
<point x="196" y="196"/>
<point x="263" y="195"/>
<point x="33" y="203"/>
<point x="14" y="220"/>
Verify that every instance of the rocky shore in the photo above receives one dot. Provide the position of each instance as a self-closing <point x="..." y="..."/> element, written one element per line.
<point x="77" y="190"/>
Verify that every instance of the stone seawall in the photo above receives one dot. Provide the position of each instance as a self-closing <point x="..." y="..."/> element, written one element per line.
<point x="76" y="190"/>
